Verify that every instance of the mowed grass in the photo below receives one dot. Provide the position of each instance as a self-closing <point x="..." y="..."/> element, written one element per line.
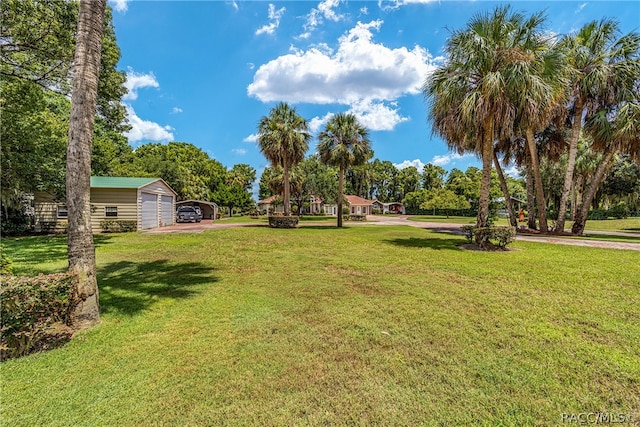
<point x="629" y="225"/>
<point x="322" y="326"/>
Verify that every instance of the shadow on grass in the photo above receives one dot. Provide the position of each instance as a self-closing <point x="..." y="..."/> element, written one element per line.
<point x="437" y="244"/>
<point x="129" y="287"/>
<point x="44" y="249"/>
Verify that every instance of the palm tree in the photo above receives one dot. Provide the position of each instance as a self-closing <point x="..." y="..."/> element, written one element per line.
<point x="81" y="251"/>
<point x="343" y="143"/>
<point x="473" y="97"/>
<point x="613" y="132"/>
<point x="284" y="137"/>
<point x="601" y="65"/>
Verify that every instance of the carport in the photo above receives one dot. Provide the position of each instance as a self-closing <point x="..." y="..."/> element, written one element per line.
<point x="209" y="209"/>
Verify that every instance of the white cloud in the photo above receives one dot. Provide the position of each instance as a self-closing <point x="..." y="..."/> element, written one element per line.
<point x="119" y="5"/>
<point x="448" y="158"/>
<point x="176" y="110"/>
<point x="417" y="163"/>
<point x="239" y="151"/>
<point x="145" y="130"/>
<point x="234" y="4"/>
<point x="324" y="11"/>
<point x="376" y="115"/>
<point x="359" y="69"/>
<point x="136" y="81"/>
<point x="251" y="138"/>
<point x="512" y="172"/>
<point x="364" y="10"/>
<point x="582" y="6"/>
<point x="394" y="4"/>
<point x="317" y="122"/>
<point x="274" y="21"/>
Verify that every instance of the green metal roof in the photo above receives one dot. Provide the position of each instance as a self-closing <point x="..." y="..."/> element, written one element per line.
<point x="120" y="182"/>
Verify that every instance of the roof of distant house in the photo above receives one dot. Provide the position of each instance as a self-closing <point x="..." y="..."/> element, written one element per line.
<point x="268" y="200"/>
<point x="357" y="200"/>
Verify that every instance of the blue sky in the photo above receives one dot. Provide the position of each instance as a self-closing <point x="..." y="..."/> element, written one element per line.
<point x="205" y="72"/>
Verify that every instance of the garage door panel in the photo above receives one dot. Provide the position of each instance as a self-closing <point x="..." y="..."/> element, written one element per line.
<point x="149" y="211"/>
<point x="166" y="210"/>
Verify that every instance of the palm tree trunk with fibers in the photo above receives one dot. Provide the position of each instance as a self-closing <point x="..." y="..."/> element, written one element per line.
<point x="286" y="191"/>
<point x="531" y="198"/>
<point x="535" y="165"/>
<point x="340" y="194"/>
<point x="485" y="186"/>
<point x="505" y="191"/>
<point x="583" y="210"/>
<point x="571" y="164"/>
<point x="81" y="251"/>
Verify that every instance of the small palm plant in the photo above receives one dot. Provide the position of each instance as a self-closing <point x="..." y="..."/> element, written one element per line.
<point x="344" y="143"/>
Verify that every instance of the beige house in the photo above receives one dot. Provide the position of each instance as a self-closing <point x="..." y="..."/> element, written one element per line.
<point x="148" y="202"/>
<point x="357" y="206"/>
<point x="269" y="205"/>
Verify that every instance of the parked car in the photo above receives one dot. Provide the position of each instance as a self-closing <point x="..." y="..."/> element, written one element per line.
<point x="198" y="212"/>
<point x="187" y="214"/>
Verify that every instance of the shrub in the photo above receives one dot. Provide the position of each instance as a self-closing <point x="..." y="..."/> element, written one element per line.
<point x="29" y="308"/>
<point x="118" y="226"/>
<point x="283" y="221"/>
<point x="355" y="217"/>
<point x="57" y="227"/>
<point x="499" y="236"/>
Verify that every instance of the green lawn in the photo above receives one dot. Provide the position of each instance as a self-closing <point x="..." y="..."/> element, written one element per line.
<point x="321" y="326"/>
<point x="629" y="225"/>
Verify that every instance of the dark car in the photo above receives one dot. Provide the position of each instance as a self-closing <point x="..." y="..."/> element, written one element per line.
<point x="187" y="214"/>
<point x="198" y="212"/>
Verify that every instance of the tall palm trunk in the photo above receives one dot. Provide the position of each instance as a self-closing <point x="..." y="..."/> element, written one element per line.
<point x="505" y="191"/>
<point x="340" y="196"/>
<point x="583" y="211"/>
<point x="571" y="164"/>
<point x="577" y="195"/>
<point x="535" y="165"/>
<point x="485" y="185"/>
<point x="81" y="251"/>
<point x="286" y="191"/>
<point x="531" y="198"/>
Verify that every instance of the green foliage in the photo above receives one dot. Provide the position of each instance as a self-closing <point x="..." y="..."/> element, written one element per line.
<point x="28" y="308"/>
<point x="620" y="211"/>
<point x="279" y="221"/>
<point x="445" y="199"/>
<point x="37" y="45"/>
<point x="356" y="217"/>
<point x="433" y="176"/>
<point x="499" y="236"/>
<point x="6" y="264"/>
<point x="118" y="226"/>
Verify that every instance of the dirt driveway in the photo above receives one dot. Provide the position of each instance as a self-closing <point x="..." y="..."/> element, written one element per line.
<point x="382" y="220"/>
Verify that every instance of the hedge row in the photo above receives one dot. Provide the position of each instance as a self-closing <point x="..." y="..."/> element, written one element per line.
<point x="354" y="217"/>
<point x="283" y="221"/>
<point x="118" y="226"/>
<point x="499" y="236"/>
<point x="30" y="310"/>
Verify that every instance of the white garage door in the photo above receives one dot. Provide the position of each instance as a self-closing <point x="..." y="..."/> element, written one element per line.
<point x="166" y="210"/>
<point x="149" y="211"/>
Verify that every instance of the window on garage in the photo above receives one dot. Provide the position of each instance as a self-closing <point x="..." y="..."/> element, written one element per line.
<point x="62" y="212"/>
<point x="111" y="211"/>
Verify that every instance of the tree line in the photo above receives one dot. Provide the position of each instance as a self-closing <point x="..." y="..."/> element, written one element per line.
<point x="510" y="89"/>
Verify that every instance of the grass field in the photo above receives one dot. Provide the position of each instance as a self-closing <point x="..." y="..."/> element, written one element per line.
<point x="629" y="225"/>
<point x="321" y="326"/>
